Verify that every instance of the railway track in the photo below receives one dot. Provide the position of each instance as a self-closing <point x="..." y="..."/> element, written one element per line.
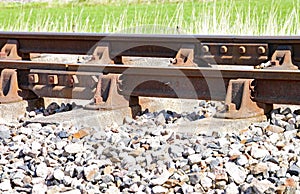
<point x="198" y="69"/>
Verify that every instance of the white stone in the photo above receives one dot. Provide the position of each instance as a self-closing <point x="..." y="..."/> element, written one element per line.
<point x="90" y="172"/>
<point x="161" y="179"/>
<point x="232" y="188"/>
<point x="41" y="170"/>
<point x="25" y="130"/>
<point x="195" y="158"/>
<point x="242" y="160"/>
<point x="5" y="185"/>
<point x="74" y="148"/>
<point x="274" y="138"/>
<point x="206" y="182"/>
<point x="39" y="188"/>
<point x="58" y="174"/>
<point x="75" y="191"/>
<point x="236" y="172"/>
<point x="159" y="190"/>
<point x="258" y="153"/>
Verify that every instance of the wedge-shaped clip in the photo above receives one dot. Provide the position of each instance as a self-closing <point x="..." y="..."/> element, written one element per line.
<point x="10" y="50"/>
<point x="106" y="94"/>
<point x="9" y="86"/>
<point x="101" y="54"/>
<point x="239" y="103"/>
<point x="282" y="59"/>
<point x="184" y="57"/>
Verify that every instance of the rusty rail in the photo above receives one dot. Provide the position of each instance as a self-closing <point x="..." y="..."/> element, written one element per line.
<point x="245" y="92"/>
<point x="201" y="50"/>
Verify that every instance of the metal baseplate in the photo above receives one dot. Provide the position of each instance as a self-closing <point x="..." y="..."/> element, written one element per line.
<point x="239" y="101"/>
<point x="9" y="86"/>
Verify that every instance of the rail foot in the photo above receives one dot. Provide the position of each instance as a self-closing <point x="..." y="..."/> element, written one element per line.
<point x="239" y="103"/>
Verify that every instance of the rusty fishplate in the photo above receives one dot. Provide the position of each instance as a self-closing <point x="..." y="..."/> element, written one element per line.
<point x="234" y="53"/>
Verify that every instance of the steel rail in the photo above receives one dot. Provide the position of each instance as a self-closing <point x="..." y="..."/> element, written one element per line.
<point x="204" y="47"/>
<point x="272" y="86"/>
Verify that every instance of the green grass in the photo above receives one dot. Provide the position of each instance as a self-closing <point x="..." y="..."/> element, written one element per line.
<point x="244" y="17"/>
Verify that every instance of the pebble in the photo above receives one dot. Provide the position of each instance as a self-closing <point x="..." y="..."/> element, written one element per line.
<point x="58" y="174"/>
<point x="159" y="190"/>
<point x="5" y="185"/>
<point x="73" y="148"/>
<point x="237" y="173"/>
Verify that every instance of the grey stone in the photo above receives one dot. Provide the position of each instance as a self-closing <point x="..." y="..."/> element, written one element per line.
<point x="294" y="170"/>
<point x="194" y="178"/>
<point x="107" y="178"/>
<point x="4" y="132"/>
<point x="160" y="119"/>
<point x="175" y="151"/>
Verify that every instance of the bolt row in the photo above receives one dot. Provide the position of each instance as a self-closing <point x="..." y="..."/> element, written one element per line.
<point x="242" y="50"/>
<point x="52" y="79"/>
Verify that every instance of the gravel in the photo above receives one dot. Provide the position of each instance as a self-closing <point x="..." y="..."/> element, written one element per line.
<point x="144" y="155"/>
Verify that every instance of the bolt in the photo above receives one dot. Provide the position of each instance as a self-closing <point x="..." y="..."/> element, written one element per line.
<point x="52" y="79"/>
<point x="33" y="78"/>
<point x="223" y="49"/>
<point x="205" y="49"/>
<point x="242" y="49"/>
<point x="261" y="50"/>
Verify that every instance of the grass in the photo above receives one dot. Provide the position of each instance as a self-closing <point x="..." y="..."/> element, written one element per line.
<point x="241" y="17"/>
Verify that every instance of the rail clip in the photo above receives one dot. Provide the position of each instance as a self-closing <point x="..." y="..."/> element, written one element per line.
<point x="239" y="103"/>
<point x="9" y="86"/>
<point x="10" y="50"/>
<point x="184" y="57"/>
<point x="106" y="95"/>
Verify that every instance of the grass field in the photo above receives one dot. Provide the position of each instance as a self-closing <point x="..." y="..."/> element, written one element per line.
<point x="246" y="17"/>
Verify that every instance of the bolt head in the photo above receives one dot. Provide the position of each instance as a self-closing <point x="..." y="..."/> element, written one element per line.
<point x="261" y="50"/>
<point x="242" y="50"/>
<point x="223" y="49"/>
